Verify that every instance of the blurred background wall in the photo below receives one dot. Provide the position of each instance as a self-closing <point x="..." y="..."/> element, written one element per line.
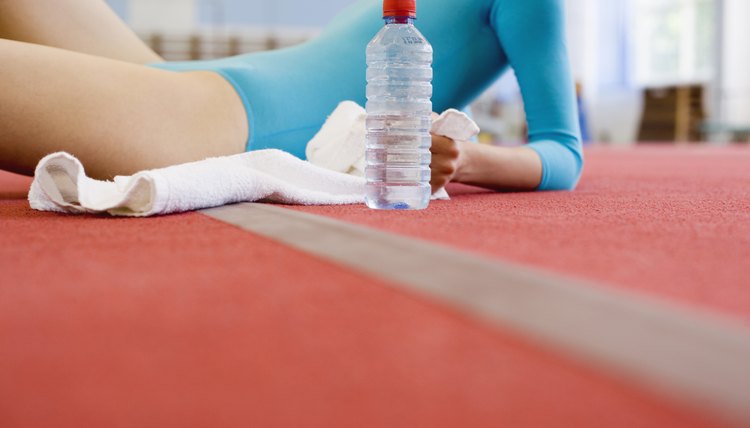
<point x="151" y="15"/>
<point x="647" y="70"/>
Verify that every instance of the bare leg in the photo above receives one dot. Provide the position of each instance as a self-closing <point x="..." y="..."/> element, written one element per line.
<point x="116" y="117"/>
<point x="87" y="26"/>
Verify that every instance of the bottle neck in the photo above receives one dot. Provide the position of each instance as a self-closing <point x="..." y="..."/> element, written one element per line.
<point x="399" y="20"/>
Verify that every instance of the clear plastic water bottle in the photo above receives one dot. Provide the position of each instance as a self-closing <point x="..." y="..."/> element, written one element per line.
<point x="399" y="87"/>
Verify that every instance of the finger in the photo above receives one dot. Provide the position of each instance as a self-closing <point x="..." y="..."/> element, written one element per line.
<point x="445" y="145"/>
<point x="441" y="171"/>
<point x="440" y="140"/>
<point x="443" y="141"/>
<point x="438" y="182"/>
<point x="444" y="166"/>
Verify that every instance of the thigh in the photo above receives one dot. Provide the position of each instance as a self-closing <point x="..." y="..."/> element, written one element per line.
<point x="86" y="26"/>
<point x="116" y="117"/>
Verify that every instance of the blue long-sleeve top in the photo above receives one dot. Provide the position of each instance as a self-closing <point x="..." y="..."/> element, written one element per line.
<point x="288" y="93"/>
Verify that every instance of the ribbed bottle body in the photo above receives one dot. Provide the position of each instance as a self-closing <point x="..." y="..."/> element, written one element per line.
<point x="399" y="88"/>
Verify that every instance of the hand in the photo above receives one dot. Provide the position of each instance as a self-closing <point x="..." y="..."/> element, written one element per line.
<point x="446" y="157"/>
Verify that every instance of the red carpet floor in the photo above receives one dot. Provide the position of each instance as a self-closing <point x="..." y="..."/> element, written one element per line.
<point x="186" y="321"/>
<point x="674" y="222"/>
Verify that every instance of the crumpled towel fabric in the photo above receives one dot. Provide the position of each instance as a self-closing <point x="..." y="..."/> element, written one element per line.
<point x="60" y="184"/>
<point x="332" y="176"/>
<point x="345" y="151"/>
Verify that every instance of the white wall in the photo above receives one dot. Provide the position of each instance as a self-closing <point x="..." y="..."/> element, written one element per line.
<point x="583" y="41"/>
<point x="613" y="111"/>
<point x="179" y="15"/>
<point x="735" y="76"/>
<point x="162" y="15"/>
<point x="270" y="13"/>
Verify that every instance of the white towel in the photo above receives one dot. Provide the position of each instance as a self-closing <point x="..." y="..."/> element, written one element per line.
<point x="333" y="177"/>
<point x="60" y="184"/>
<point x="345" y="151"/>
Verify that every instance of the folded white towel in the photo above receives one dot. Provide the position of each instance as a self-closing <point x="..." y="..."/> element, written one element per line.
<point x="60" y="182"/>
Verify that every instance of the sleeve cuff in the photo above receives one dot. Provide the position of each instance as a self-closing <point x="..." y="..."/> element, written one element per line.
<point x="561" y="164"/>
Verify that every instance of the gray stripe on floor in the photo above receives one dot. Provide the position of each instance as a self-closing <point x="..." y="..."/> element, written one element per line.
<point x="698" y="358"/>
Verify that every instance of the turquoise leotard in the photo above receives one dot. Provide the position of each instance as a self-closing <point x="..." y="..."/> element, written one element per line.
<point x="289" y="92"/>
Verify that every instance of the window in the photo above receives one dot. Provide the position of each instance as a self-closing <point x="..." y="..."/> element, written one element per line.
<point x="673" y="41"/>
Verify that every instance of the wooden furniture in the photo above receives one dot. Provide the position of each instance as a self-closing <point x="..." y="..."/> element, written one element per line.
<point x="672" y="114"/>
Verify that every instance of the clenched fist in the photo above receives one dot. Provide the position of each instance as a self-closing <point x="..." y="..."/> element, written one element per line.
<point x="446" y="161"/>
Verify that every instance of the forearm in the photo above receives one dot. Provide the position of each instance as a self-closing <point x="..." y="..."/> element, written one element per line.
<point x="542" y="68"/>
<point x="499" y="168"/>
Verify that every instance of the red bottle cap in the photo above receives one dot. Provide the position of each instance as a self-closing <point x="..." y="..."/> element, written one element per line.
<point x="400" y="8"/>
